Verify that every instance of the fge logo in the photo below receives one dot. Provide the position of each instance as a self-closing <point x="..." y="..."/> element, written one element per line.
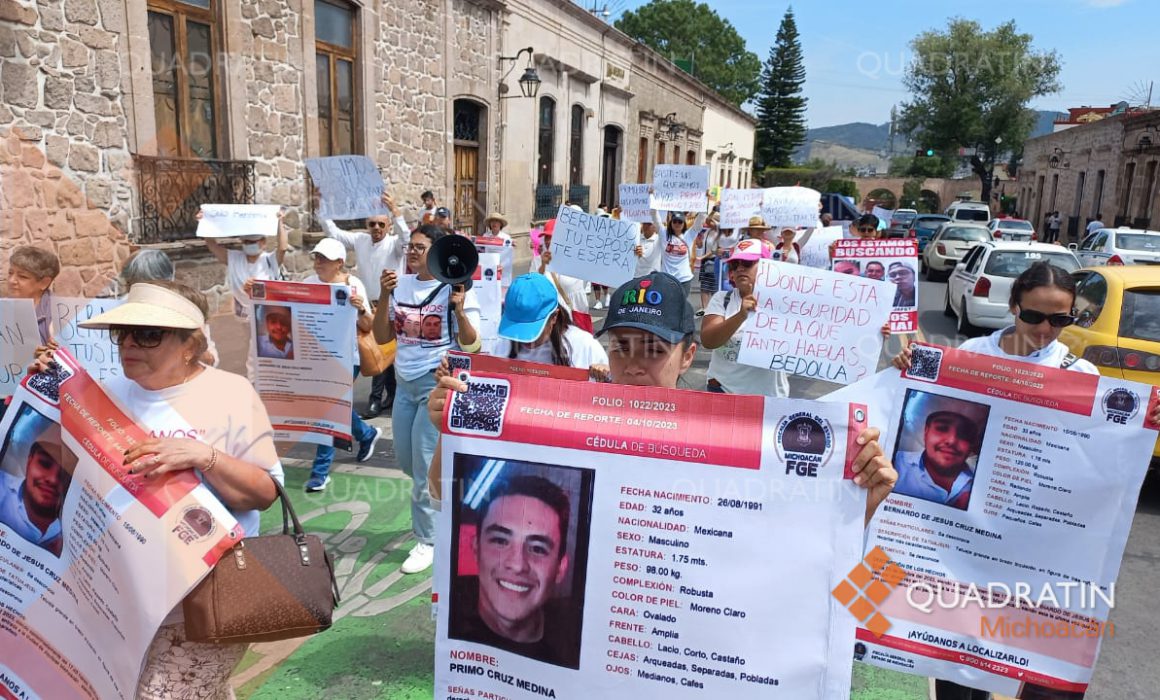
<point x="1120" y="405"/>
<point x="805" y="441"/>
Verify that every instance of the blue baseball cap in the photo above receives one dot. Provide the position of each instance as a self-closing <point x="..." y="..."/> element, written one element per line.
<point x="530" y="302"/>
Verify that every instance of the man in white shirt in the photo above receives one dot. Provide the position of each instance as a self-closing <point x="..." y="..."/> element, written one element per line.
<point x="1095" y="224"/>
<point x="382" y="247"/>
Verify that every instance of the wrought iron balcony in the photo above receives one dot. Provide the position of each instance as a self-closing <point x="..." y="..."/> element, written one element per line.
<point x="548" y="200"/>
<point x="173" y="189"/>
<point x="579" y="194"/>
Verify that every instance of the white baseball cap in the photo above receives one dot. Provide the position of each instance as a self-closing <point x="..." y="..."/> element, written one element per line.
<point x="330" y="249"/>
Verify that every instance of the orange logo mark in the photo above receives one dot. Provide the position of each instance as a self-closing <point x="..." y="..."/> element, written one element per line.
<point x="866" y="586"/>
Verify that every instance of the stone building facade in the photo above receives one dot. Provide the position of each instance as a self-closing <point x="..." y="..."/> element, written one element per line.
<point x="1107" y="167"/>
<point x="118" y="118"/>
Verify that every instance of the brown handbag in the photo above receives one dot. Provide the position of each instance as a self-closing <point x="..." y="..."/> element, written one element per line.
<point x="264" y="589"/>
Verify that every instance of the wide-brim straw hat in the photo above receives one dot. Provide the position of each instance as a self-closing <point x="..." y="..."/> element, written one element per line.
<point x="758" y="223"/>
<point x="496" y="216"/>
<point x="152" y="306"/>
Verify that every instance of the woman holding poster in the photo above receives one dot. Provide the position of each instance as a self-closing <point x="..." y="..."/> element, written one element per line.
<point x="228" y="444"/>
<point x="410" y="298"/>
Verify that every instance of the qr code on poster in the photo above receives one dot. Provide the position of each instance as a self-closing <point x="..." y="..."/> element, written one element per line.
<point x="458" y="363"/>
<point x="46" y="383"/>
<point x="480" y="409"/>
<point x="925" y="363"/>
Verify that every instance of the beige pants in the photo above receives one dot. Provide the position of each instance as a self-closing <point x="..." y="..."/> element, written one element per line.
<point x="176" y="669"/>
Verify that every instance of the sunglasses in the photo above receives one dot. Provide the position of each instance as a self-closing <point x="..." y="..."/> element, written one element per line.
<point x="376" y="224"/>
<point x="865" y="229"/>
<point x="1035" y="318"/>
<point x="143" y="336"/>
<point x="735" y="264"/>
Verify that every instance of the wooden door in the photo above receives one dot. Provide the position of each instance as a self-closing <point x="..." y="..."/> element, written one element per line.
<point x="467" y="211"/>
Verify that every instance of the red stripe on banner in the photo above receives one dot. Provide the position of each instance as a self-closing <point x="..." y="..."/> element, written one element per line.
<point x="1060" y="389"/>
<point x="5" y="695"/>
<point x="503" y="365"/>
<point x="999" y="669"/>
<point x="859" y="420"/>
<point x="1152" y="402"/>
<point x="85" y="410"/>
<point x="876" y="248"/>
<point x="686" y="426"/>
<point x="296" y="292"/>
<point x="223" y="545"/>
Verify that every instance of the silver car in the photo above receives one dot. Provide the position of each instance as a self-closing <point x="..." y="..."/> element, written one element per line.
<point x="1012" y="230"/>
<point x="947" y="247"/>
<point x="1119" y="246"/>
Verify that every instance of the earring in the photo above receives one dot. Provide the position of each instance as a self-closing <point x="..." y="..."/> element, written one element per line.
<point x="188" y="359"/>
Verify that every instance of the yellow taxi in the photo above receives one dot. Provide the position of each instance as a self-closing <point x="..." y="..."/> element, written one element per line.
<point x="1118" y="326"/>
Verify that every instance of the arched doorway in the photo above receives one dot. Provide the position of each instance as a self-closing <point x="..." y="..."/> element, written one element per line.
<point x="610" y="165"/>
<point x="469" y="133"/>
<point x="882" y="197"/>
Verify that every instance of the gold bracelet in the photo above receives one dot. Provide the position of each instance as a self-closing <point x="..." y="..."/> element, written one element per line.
<point x="212" y="460"/>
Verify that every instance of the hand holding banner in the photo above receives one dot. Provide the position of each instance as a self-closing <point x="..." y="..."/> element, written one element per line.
<point x="815" y="323"/>
<point x="92" y="347"/>
<point x="739" y="206"/>
<point x="594" y="248"/>
<point x="680" y="188"/>
<point x="351" y="187"/>
<point x="791" y="207"/>
<point x="634" y="203"/>
<point x="893" y="259"/>
<point x="237" y="220"/>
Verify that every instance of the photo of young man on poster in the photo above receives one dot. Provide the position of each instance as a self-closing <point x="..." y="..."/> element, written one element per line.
<point x="520" y="557"/>
<point x="37" y="471"/>
<point x="938" y="446"/>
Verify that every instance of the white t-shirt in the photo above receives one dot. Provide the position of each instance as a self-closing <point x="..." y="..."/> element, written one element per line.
<point x="239" y="269"/>
<point x="420" y="314"/>
<point x="373" y="258"/>
<point x="583" y="350"/>
<point x="649" y="261"/>
<point x="357" y="288"/>
<point x="675" y="257"/>
<point x="735" y="377"/>
<point x="727" y="241"/>
<point x="1050" y="356"/>
<point x="1095" y="226"/>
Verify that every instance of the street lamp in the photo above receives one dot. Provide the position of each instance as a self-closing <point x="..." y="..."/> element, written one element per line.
<point x="529" y="81"/>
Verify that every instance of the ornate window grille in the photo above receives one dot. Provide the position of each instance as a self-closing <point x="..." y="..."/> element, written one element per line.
<point x="172" y="190"/>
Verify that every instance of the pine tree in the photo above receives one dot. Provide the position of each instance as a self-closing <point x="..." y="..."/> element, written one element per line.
<point x="781" y="109"/>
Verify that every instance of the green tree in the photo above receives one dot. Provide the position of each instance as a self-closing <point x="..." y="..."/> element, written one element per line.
<point x="686" y="30"/>
<point x="921" y="166"/>
<point x="971" y="88"/>
<point x="912" y="195"/>
<point x="781" y="108"/>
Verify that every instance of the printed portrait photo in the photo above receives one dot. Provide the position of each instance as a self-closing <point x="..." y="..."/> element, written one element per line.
<point x="938" y="448"/>
<point x="35" y="473"/>
<point x="874" y="270"/>
<point x="519" y="557"/>
<point x="848" y="267"/>
<point x="275" y="332"/>
<point x="432" y="327"/>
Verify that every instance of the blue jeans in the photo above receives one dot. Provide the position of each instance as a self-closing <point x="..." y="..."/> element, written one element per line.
<point x="324" y="455"/>
<point x="415" y="438"/>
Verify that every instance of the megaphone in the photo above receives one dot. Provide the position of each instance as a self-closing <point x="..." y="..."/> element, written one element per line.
<point x="452" y="260"/>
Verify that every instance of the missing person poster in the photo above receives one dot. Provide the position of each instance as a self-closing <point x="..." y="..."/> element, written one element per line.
<point x="505" y="250"/>
<point x="19" y="338"/>
<point x="1017" y="487"/>
<point x="304" y="353"/>
<point x="594" y="248"/>
<point x="92" y="560"/>
<point x="895" y="260"/>
<point x="477" y="362"/>
<point x="91" y="346"/>
<point x="815" y="323"/>
<point x="597" y="541"/>
<point x="487" y="284"/>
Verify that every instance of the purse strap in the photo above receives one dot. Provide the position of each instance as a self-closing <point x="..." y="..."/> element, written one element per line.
<point x="288" y="516"/>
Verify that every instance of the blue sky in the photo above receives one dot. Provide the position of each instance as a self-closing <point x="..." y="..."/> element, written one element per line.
<point x="855" y="50"/>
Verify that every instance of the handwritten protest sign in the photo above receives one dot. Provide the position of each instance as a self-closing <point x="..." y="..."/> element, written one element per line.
<point x="815" y="323"/>
<point x="892" y="259"/>
<point x="739" y="206"/>
<point x="93" y="348"/>
<point x="19" y="338"/>
<point x="790" y="206"/>
<point x="594" y="248"/>
<point x="634" y="203"/>
<point x="230" y="220"/>
<point x="884" y="215"/>
<point x="816" y="251"/>
<point x="351" y="187"/>
<point x="680" y="187"/>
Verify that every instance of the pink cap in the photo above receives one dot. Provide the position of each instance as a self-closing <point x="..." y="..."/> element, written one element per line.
<point x="751" y="249"/>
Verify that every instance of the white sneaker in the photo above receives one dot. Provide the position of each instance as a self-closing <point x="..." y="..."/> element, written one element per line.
<point x="420" y="559"/>
<point x="598" y="305"/>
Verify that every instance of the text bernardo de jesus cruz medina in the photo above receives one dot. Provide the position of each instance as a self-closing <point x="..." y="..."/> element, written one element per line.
<point x="815" y="323"/>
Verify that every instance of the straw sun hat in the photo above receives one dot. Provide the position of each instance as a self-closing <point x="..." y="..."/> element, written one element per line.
<point x="153" y="306"/>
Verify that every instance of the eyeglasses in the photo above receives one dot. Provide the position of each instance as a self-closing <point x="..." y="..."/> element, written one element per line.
<point x="143" y="336"/>
<point x="1035" y="318"/>
<point x="412" y="248"/>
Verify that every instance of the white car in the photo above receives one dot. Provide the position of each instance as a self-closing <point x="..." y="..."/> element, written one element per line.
<point x="948" y="246"/>
<point x="1012" y="230"/>
<point x="1120" y="246"/>
<point x="979" y="289"/>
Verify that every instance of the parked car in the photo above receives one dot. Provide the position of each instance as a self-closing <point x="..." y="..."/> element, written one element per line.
<point x="1012" y="230"/>
<point x="900" y="223"/>
<point x="1118" y="326"/>
<point x="948" y="246"/>
<point x="979" y="289"/>
<point x="924" y="226"/>
<point x="1120" y="246"/>
<point x="976" y="212"/>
